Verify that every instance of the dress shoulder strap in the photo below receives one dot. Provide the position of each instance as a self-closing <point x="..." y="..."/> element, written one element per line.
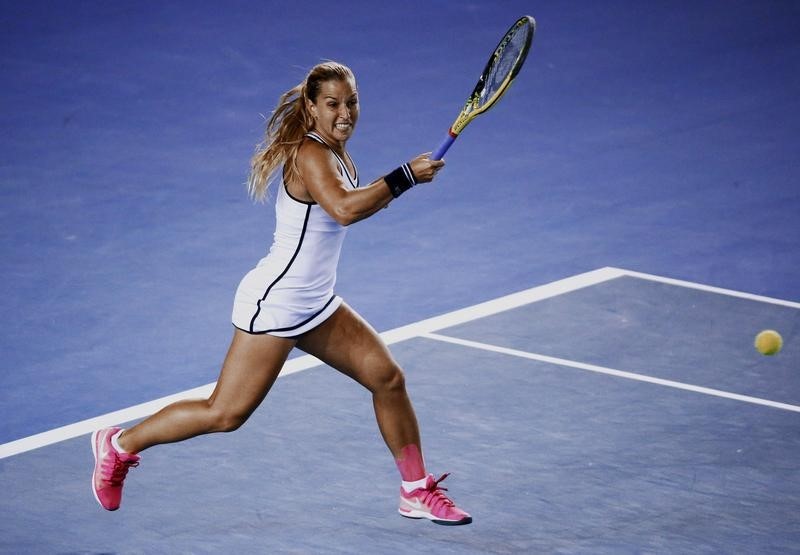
<point x="342" y="166"/>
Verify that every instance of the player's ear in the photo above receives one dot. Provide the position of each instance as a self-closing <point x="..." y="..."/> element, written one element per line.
<point x="311" y="109"/>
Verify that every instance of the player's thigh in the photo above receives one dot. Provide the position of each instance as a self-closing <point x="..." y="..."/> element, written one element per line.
<point x="251" y="367"/>
<point x="349" y="344"/>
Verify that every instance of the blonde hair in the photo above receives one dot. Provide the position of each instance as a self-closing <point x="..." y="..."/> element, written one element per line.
<point x="286" y="128"/>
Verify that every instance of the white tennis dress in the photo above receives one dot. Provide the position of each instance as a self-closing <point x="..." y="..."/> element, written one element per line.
<point x="290" y="291"/>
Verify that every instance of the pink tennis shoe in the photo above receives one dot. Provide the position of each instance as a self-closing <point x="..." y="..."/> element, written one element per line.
<point x="110" y="469"/>
<point x="430" y="502"/>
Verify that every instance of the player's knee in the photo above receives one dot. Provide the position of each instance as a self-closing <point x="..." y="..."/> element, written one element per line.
<point x="227" y="419"/>
<point x="231" y="422"/>
<point x="392" y="380"/>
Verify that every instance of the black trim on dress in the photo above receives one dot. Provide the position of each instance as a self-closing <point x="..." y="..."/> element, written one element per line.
<point x="285" y="270"/>
<point x="353" y="179"/>
<point x="307" y="320"/>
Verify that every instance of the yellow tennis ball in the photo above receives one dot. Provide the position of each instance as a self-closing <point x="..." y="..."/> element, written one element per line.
<point x="769" y="342"/>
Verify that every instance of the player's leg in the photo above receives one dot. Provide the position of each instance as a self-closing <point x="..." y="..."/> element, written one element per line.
<point x="250" y="368"/>
<point x="349" y="344"/>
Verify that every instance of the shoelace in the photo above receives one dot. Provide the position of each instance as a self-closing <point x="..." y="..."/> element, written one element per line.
<point x="435" y="496"/>
<point x="118" y="471"/>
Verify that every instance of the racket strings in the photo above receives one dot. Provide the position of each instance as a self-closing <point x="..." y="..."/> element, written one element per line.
<point x="505" y="60"/>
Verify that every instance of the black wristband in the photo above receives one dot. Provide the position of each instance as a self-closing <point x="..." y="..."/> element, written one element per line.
<point x="400" y="180"/>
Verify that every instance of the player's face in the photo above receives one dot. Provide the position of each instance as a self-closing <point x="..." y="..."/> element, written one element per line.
<point x="335" y="110"/>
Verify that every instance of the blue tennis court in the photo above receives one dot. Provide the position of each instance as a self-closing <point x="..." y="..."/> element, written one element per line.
<point x="573" y="301"/>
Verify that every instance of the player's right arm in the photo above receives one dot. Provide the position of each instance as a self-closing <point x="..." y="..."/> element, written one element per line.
<point x="323" y="184"/>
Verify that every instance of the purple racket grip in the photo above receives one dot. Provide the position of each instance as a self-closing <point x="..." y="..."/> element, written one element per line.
<point x="443" y="147"/>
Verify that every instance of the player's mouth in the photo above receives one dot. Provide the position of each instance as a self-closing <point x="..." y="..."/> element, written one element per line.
<point x="344" y="127"/>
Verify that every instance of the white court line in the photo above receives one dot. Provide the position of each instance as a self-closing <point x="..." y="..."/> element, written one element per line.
<point x="611" y="372"/>
<point x="392" y="336"/>
<point x="701" y="287"/>
<point x="305" y="362"/>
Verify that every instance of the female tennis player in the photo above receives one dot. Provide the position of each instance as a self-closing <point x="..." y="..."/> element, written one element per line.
<point x="287" y="301"/>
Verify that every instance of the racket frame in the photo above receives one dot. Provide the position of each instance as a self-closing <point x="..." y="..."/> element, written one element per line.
<point x="471" y="108"/>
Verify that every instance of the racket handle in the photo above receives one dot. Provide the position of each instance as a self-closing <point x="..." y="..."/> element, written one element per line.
<point x="443" y="147"/>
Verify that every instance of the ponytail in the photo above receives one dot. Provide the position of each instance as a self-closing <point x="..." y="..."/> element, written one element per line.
<point x="285" y="131"/>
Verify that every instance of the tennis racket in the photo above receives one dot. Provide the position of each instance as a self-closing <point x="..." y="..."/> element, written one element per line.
<point x="503" y="66"/>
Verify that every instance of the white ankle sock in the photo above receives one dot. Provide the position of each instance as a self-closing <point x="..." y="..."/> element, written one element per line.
<point x="411" y="486"/>
<point x="115" y="443"/>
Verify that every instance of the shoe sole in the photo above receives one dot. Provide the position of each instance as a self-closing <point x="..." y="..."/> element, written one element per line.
<point x="417" y="515"/>
<point x="94" y="472"/>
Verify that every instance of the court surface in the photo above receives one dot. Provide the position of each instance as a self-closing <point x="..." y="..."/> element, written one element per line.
<point x="607" y="412"/>
<point x="574" y="300"/>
